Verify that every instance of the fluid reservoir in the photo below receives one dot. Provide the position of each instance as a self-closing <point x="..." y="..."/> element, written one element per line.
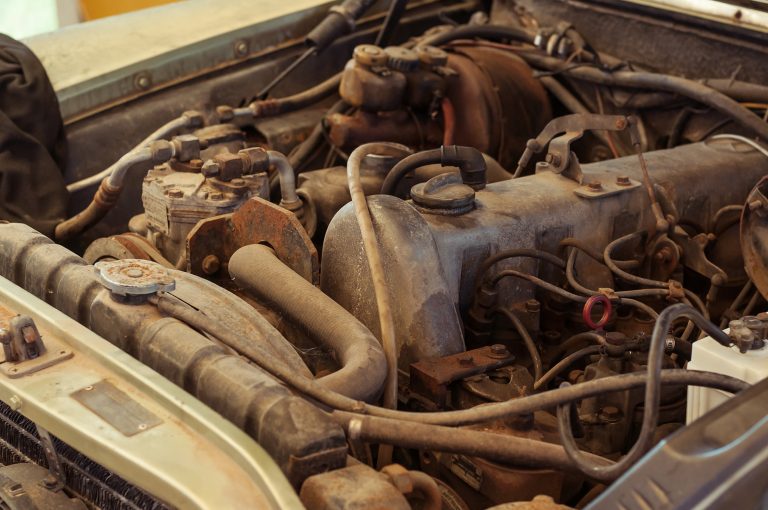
<point x="745" y="360"/>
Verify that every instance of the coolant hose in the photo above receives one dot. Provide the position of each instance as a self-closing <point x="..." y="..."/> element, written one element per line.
<point x="363" y="365"/>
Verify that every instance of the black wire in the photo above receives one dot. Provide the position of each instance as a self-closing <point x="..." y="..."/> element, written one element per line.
<point x="395" y="12"/>
<point x="651" y="402"/>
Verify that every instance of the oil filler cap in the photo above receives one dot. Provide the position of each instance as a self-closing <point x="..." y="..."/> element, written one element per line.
<point x="444" y="194"/>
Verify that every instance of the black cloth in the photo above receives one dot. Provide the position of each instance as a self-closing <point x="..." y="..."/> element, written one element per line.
<point x="33" y="144"/>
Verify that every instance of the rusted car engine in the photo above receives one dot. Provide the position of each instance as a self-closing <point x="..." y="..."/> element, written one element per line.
<point x="464" y="260"/>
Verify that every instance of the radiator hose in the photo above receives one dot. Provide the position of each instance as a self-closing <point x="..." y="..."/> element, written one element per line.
<point x="358" y="352"/>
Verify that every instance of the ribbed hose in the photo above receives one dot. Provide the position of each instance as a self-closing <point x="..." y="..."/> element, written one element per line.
<point x="363" y="365"/>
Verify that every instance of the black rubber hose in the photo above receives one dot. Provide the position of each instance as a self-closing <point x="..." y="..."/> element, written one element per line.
<point x="273" y="107"/>
<point x="339" y="22"/>
<point x="651" y="402"/>
<point x="653" y="81"/>
<point x="301" y="154"/>
<point x="469" y="160"/>
<point x="514" y="253"/>
<point x="480" y="32"/>
<point x="363" y="370"/>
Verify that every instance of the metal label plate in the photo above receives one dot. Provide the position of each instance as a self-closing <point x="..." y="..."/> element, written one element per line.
<point x="116" y="408"/>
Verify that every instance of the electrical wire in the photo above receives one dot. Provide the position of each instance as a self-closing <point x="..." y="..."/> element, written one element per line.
<point x="651" y="402"/>
<point x="565" y="363"/>
<point x="530" y="345"/>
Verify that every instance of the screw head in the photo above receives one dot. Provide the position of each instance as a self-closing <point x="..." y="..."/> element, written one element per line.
<point x="142" y="81"/>
<point x="241" y="48"/>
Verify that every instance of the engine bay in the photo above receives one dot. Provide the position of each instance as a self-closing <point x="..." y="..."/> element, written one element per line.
<point x="457" y="255"/>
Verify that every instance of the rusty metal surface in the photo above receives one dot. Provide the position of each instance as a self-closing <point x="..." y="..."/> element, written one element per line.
<point x="256" y="222"/>
<point x="430" y="377"/>
<point x="754" y="236"/>
<point x="356" y="487"/>
<point x="499" y="104"/>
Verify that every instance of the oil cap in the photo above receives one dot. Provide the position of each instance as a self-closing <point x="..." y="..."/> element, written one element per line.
<point x="444" y="194"/>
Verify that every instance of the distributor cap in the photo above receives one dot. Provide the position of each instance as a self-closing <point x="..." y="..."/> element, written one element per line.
<point x="369" y="55"/>
<point x="134" y="277"/>
<point x="402" y="59"/>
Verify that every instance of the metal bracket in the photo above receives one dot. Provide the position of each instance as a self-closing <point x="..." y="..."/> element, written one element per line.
<point x="559" y="158"/>
<point x="694" y="257"/>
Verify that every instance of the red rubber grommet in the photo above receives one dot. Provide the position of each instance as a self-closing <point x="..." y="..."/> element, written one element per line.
<point x="586" y="313"/>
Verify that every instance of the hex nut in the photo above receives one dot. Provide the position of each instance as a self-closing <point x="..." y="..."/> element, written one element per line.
<point x="230" y="166"/>
<point x="210" y="168"/>
<point x="187" y="147"/>
<point x="194" y="118"/>
<point x="162" y="151"/>
<point x="257" y="160"/>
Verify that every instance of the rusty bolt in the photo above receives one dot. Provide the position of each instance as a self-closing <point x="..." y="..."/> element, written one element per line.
<point x="196" y="163"/>
<point x="623" y="180"/>
<point x="595" y="186"/>
<point x="552" y="159"/>
<point x="610" y="414"/>
<point x="466" y="360"/>
<point x="216" y="195"/>
<point x="621" y="124"/>
<point x="532" y="306"/>
<point x="175" y="193"/>
<point x="499" y="351"/>
<point x="211" y="264"/>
